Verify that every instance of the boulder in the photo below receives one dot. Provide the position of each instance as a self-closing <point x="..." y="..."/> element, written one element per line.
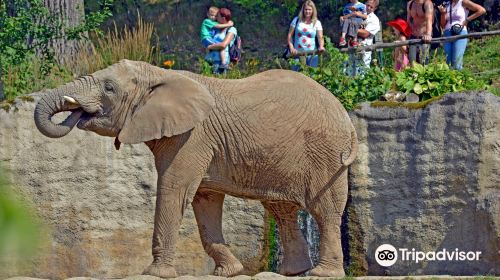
<point x="427" y="177"/>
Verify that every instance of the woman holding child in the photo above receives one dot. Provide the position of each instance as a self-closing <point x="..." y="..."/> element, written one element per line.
<point x="218" y="45"/>
<point x="303" y="32"/>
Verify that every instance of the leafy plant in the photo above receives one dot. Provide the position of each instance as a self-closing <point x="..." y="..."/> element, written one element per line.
<point x="435" y="79"/>
<point x="331" y="73"/>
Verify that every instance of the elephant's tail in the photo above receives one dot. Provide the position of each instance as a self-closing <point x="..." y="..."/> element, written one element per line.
<point x="349" y="156"/>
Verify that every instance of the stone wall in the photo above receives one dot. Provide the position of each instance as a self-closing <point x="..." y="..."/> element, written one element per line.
<point x="98" y="205"/>
<point x="428" y="179"/>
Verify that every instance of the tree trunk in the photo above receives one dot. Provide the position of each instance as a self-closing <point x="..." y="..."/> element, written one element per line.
<point x="71" y="13"/>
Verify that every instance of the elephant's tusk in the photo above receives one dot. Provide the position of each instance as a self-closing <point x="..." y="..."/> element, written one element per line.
<point x="71" y="100"/>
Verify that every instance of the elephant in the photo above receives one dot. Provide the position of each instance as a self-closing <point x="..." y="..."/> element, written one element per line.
<point x="277" y="137"/>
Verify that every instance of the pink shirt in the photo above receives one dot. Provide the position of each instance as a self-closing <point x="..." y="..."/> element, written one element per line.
<point x="458" y="14"/>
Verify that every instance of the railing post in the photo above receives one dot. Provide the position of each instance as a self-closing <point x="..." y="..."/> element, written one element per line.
<point x="352" y="60"/>
<point x="2" y="94"/>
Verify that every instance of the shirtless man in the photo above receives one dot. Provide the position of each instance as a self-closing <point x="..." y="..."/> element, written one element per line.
<point x="420" y="14"/>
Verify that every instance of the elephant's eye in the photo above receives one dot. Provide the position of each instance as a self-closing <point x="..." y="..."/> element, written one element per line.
<point x="108" y="86"/>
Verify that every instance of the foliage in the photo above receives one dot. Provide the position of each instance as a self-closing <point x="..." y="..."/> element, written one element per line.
<point x="26" y="29"/>
<point x="331" y="73"/>
<point x="129" y="43"/>
<point x="134" y="43"/>
<point x="19" y="231"/>
<point x="272" y="238"/>
<point x="31" y="76"/>
<point x="435" y="79"/>
<point x="31" y="27"/>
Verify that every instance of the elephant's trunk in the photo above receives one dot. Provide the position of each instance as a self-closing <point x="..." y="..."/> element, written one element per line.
<point x="50" y="104"/>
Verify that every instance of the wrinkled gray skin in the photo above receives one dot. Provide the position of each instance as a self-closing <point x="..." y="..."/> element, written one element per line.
<point x="278" y="137"/>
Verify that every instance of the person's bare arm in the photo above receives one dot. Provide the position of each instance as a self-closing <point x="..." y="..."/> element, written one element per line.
<point x="290" y="39"/>
<point x="224" y="25"/>
<point x="429" y="14"/>
<point x="222" y="45"/>
<point x="408" y="16"/>
<point x="319" y="34"/>
<point x="360" y="14"/>
<point x="444" y="15"/>
<point x="477" y="9"/>
<point x="403" y="48"/>
<point x="347" y="16"/>
<point x="363" y="33"/>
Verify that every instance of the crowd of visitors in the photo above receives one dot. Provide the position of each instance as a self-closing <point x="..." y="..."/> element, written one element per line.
<point x="359" y="26"/>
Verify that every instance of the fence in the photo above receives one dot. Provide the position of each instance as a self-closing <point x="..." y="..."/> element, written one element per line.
<point x="408" y="42"/>
<point x="380" y="46"/>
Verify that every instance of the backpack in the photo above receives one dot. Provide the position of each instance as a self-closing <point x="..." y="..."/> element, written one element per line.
<point x="235" y="50"/>
<point x="436" y="27"/>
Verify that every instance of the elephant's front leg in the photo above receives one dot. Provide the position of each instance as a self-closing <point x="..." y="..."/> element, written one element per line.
<point x="177" y="185"/>
<point x="207" y="206"/>
<point x="168" y="218"/>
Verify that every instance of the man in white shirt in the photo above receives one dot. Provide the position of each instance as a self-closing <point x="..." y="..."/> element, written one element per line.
<point x="372" y="28"/>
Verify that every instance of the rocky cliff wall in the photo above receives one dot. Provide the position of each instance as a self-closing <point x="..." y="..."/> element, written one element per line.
<point x="428" y="179"/>
<point x="425" y="178"/>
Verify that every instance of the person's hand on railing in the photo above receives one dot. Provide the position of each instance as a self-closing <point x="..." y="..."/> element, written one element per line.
<point x="427" y="38"/>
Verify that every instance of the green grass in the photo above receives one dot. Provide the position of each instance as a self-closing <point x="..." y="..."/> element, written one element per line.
<point x="482" y="58"/>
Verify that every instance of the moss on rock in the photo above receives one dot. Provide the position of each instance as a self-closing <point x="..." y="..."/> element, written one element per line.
<point x="416" y="105"/>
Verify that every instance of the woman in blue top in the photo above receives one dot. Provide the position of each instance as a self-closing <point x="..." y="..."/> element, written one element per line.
<point x="303" y="32"/>
<point x="226" y="37"/>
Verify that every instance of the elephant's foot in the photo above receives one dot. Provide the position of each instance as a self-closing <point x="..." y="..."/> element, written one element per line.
<point x="327" y="271"/>
<point x="228" y="268"/>
<point x="296" y="266"/>
<point x="159" y="270"/>
<point x="226" y="264"/>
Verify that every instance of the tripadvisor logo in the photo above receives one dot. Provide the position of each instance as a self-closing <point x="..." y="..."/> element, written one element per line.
<point x="387" y="255"/>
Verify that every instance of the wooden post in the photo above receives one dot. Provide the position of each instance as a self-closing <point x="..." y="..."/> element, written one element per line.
<point x="2" y="94"/>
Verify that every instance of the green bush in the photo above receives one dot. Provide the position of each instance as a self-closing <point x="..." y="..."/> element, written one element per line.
<point x="435" y="79"/>
<point x="427" y="81"/>
<point x="331" y="73"/>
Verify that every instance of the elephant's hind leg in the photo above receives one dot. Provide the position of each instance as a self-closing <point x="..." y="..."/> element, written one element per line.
<point x="327" y="208"/>
<point x="296" y="258"/>
<point x="207" y="206"/>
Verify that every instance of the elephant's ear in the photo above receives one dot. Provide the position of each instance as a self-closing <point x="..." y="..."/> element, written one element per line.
<point x="174" y="105"/>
